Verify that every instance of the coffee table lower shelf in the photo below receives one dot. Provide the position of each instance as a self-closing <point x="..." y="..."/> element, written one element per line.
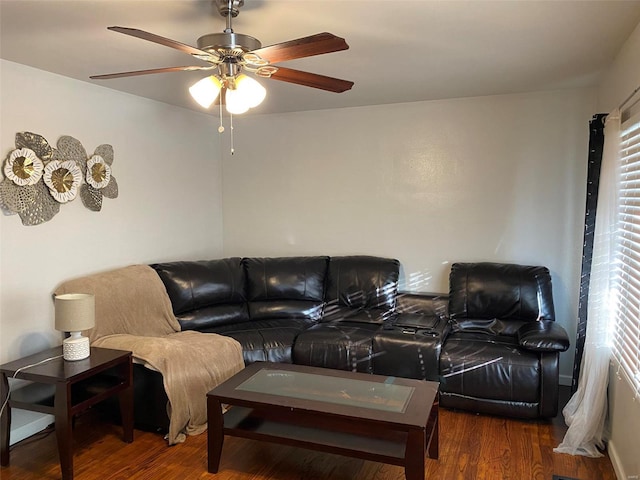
<point x="239" y="422"/>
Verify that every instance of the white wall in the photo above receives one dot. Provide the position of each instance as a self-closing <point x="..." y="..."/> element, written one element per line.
<point x="622" y="78"/>
<point x="167" y="164"/>
<point x="478" y="179"/>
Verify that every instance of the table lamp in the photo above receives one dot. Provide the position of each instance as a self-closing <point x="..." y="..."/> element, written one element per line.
<point x="75" y="312"/>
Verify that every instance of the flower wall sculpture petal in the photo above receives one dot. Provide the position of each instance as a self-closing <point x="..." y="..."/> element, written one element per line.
<point x="111" y="190"/>
<point x="98" y="172"/>
<point x="91" y="198"/>
<point x="63" y="179"/>
<point x="35" y="142"/>
<point x="71" y="149"/>
<point x="99" y="179"/>
<point x="23" y="167"/>
<point x="106" y="152"/>
<point x="43" y="209"/>
<point x="16" y="199"/>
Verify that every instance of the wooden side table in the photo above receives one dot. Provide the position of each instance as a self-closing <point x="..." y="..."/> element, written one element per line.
<point x="64" y="389"/>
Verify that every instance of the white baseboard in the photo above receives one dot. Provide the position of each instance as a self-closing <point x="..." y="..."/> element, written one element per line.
<point x="618" y="468"/>
<point x="565" y="380"/>
<point x="25" y="423"/>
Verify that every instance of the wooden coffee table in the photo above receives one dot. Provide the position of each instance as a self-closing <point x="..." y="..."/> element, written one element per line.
<point x="384" y="419"/>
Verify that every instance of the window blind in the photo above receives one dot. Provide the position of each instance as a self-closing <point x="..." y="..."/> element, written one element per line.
<point x="626" y="331"/>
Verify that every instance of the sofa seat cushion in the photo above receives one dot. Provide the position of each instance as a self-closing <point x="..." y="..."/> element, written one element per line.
<point x="213" y="316"/>
<point x="341" y="345"/>
<point x="264" y="340"/>
<point x="303" y="309"/>
<point x="489" y="367"/>
<point x="337" y="313"/>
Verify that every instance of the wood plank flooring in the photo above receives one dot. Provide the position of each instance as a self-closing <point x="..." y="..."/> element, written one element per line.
<point x="471" y="447"/>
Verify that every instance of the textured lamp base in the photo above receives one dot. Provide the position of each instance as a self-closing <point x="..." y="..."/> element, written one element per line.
<point x="76" y="347"/>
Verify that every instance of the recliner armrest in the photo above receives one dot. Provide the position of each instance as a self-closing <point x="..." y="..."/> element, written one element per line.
<point x="543" y="336"/>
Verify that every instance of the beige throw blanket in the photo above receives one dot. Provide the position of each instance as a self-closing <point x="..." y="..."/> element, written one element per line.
<point x="133" y="312"/>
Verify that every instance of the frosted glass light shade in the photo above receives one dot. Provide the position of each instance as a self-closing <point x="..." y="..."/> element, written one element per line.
<point x="206" y="91"/>
<point x="236" y="104"/>
<point x="252" y="92"/>
<point x="248" y="93"/>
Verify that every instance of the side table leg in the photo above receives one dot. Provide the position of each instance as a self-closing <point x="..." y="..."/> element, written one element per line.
<point x="64" y="430"/>
<point x="433" y="430"/>
<point x="215" y="433"/>
<point x="5" y="421"/>
<point x="414" y="455"/>
<point x="126" y="413"/>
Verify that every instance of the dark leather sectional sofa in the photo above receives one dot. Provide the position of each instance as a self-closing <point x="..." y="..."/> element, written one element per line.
<point x="492" y="343"/>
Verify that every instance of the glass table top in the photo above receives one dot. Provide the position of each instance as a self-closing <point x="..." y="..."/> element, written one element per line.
<point x="385" y="396"/>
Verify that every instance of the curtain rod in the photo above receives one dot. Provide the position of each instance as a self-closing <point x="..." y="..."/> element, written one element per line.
<point x="637" y="89"/>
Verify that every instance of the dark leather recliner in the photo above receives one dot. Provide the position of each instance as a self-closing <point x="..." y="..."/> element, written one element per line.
<point x="501" y="356"/>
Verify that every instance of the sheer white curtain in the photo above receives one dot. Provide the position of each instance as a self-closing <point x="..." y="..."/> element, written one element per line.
<point x="586" y="411"/>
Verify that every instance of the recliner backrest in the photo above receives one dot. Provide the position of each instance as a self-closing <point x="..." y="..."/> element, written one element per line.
<point x="205" y="293"/>
<point x="286" y="287"/>
<point x="363" y="282"/>
<point x="498" y="297"/>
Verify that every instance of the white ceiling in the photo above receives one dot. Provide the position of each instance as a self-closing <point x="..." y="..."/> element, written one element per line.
<point x="400" y="51"/>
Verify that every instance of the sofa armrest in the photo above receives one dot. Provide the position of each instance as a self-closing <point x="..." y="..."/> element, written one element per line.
<point x="543" y="336"/>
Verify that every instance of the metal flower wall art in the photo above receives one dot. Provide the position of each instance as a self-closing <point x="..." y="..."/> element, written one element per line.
<point x="39" y="178"/>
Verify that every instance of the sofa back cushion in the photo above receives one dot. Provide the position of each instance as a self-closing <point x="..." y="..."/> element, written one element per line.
<point x="362" y="282"/>
<point x="498" y="298"/>
<point x="286" y="287"/>
<point x="205" y="293"/>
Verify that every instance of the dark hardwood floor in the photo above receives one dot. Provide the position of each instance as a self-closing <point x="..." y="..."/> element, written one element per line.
<point x="471" y="447"/>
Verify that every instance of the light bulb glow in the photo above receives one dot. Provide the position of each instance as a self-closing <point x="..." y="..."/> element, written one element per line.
<point x="247" y="94"/>
<point x="251" y="90"/>
<point x="206" y="91"/>
<point x="236" y="103"/>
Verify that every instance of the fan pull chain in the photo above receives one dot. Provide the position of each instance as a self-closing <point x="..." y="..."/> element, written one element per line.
<point x="221" y="127"/>
<point x="231" y="124"/>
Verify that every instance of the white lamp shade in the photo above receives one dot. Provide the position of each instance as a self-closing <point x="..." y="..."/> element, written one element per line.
<point x="75" y="312"/>
<point x="252" y="92"/>
<point x="236" y="103"/>
<point x="206" y="90"/>
<point x="247" y="94"/>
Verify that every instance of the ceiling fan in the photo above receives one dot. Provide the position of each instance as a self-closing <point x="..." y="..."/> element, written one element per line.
<point x="229" y="54"/>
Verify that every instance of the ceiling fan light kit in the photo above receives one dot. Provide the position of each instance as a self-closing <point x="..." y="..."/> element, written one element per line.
<point x="232" y="54"/>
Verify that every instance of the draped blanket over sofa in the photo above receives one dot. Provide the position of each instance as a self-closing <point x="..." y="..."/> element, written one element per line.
<point x="492" y="342"/>
<point x="133" y="312"/>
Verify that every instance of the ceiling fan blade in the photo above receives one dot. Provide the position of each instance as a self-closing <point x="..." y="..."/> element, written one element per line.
<point x="167" y="42"/>
<point x="147" y="72"/>
<point x="312" y="80"/>
<point x="302" y="47"/>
